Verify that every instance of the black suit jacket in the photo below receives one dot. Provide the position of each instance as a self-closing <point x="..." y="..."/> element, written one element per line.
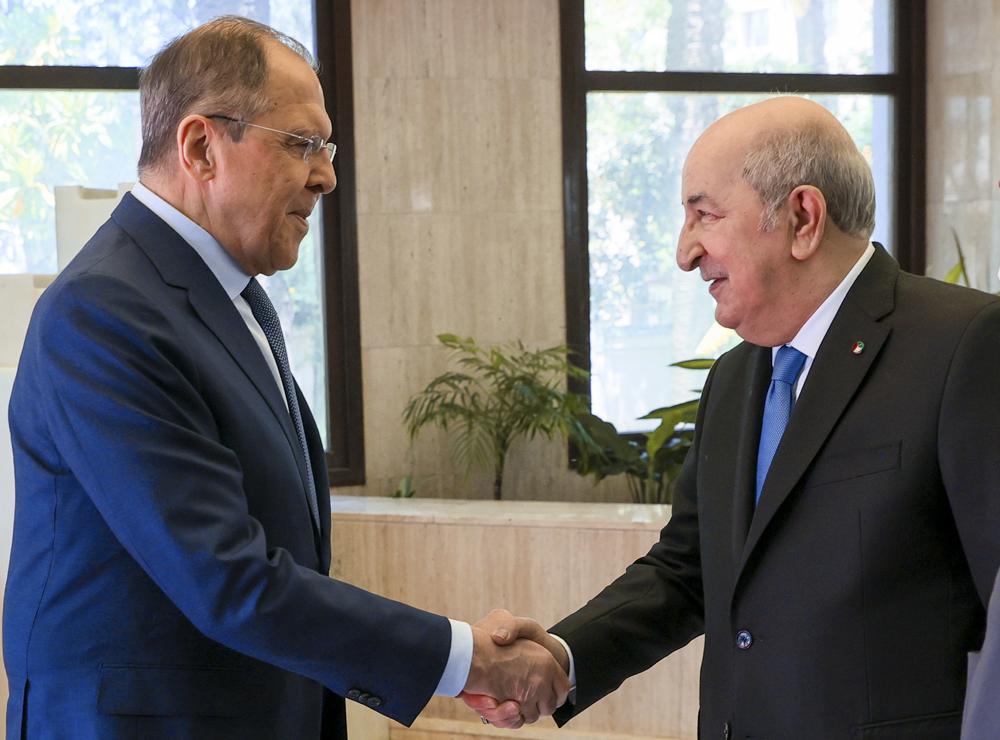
<point x="860" y="579"/>
<point x="166" y="578"/>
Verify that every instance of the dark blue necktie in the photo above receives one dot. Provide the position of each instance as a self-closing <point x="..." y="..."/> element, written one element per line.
<point x="777" y="408"/>
<point x="267" y="317"/>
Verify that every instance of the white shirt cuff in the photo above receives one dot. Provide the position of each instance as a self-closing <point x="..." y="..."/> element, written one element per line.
<point x="572" y="669"/>
<point x="456" y="671"/>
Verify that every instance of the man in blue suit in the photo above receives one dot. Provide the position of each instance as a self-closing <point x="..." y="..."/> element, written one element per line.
<point x="981" y="719"/>
<point x="168" y="576"/>
<point x="982" y="699"/>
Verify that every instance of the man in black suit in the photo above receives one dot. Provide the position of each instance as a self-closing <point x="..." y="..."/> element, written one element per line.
<point x="834" y="529"/>
<point x="168" y="577"/>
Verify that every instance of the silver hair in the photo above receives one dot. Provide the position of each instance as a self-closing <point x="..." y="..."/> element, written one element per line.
<point x="219" y="67"/>
<point x="813" y="154"/>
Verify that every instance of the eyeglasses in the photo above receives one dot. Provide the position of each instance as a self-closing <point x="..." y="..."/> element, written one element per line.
<point x="310" y="144"/>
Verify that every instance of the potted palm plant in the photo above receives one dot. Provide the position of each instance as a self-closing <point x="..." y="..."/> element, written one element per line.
<point x="495" y="395"/>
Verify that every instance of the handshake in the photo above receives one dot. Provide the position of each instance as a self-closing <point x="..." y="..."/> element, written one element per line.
<point x="518" y="673"/>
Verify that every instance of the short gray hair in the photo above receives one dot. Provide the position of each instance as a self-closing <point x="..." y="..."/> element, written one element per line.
<point x="813" y="154"/>
<point x="219" y="67"/>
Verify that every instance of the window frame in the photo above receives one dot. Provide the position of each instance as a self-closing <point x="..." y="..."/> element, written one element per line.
<point x="907" y="86"/>
<point x="345" y="456"/>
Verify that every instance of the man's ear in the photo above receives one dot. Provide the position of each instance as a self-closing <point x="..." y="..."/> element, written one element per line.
<point x="807" y="208"/>
<point x="197" y="141"/>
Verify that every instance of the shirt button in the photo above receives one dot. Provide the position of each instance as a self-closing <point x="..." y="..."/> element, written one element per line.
<point x="354" y="694"/>
<point x="374" y="702"/>
<point x="744" y="640"/>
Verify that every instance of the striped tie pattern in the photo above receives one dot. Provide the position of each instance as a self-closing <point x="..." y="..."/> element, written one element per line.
<point x="267" y="317"/>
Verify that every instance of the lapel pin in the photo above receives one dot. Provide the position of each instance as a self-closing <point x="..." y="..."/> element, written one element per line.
<point x="858" y="347"/>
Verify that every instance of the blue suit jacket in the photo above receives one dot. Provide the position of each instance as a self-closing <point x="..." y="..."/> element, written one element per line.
<point x="166" y="578"/>
<point x="982" y="700"/>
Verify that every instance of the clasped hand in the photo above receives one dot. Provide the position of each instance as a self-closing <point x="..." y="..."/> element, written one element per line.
<point x="518" y="671"/>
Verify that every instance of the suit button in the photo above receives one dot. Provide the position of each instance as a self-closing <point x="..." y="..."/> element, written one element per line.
<point x="725" y="731"/>
<point x="354" y="694"/>
<point x="744" y="640"/>
<point x="374" y="702"/>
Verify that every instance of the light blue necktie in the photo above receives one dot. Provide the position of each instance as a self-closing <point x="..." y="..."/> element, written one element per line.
<point x="267" y="317"/>
<point x="777" y="408"/>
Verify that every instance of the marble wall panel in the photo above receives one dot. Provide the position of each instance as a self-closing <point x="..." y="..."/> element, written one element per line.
<point x="407" y="158"/>
<point x="963" y="137"/>
<point x="960" y="123"/>
<point x="408" y="39"/>
<point x="960" y="36"/>
<point x="462" y="144"/>
<point x="494" y="276"/>
<point x="976" y="225"/>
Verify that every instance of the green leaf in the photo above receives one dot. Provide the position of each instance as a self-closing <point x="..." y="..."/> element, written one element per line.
<point x="954" y="274"/>
<point x="701" y="363"/>
<point x="685" y="411"/>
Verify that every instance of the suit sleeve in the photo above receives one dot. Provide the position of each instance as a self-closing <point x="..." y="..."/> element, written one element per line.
<point x="653" y="609"/>
<point x="127" y="416"/>
<point x="969" y="445"/>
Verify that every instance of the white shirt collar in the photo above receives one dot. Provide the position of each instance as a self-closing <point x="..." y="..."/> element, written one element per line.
<point x="811" y="335"/>
<point x="226" y="270"/>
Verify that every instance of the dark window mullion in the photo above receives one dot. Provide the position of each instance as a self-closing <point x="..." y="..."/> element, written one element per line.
<point x="575" y="217"/>
<point x="910" y="160"/>
<point x="69" y="78"/>
<point x="345" y="440"/>
<point x="739" y="82"/>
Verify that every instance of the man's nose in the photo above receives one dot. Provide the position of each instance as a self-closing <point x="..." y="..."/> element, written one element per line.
<point x="323" y="178"/>
<point x="689" y="249"/>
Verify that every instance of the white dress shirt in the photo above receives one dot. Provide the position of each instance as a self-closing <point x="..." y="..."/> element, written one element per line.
<point x="233" y="280"/>
<point x="807" y="341"/>
<point x="812" y="333"/>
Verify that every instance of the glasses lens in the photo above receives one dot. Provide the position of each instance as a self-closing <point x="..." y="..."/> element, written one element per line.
<point x="317" y="145"/>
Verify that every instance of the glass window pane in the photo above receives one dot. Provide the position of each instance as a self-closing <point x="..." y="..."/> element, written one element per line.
<point x="50" y="138"/>
<point x="645" y="313"/>
<point x="125" y="33"/>
<point x="820" y="36"/>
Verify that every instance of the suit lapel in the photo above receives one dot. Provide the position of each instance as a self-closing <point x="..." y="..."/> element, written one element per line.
<point x="834" y="378"/>
<point x="757" y="379"/>
<point x="179" y="265"/>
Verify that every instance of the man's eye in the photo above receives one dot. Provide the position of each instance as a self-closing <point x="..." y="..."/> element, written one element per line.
<point x="706" y="216"/>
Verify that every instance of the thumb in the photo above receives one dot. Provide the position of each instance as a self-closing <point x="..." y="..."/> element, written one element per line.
<point x="478" y="702"/>
<point x="501" y="626"/>
<point x="529" y="629"/>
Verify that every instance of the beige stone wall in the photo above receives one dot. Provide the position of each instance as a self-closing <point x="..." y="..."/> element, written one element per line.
<point x="460" y="223"/>
<point x="963" y="137"/>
